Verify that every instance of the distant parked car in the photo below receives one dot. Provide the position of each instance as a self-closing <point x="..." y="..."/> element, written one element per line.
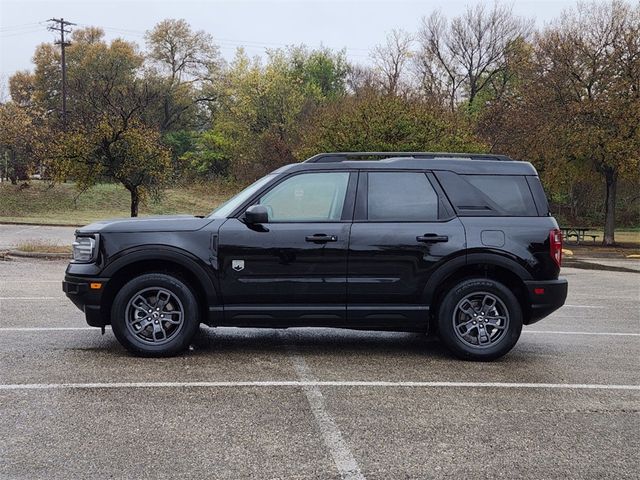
<point x="458" y="244"/>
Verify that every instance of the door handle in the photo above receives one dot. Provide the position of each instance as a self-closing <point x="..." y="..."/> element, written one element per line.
<point x="321" y="238"/>
<point x="432" y="238"/>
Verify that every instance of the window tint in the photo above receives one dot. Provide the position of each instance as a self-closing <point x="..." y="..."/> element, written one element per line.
<point x="401" y="196"/>
<point x="509" y="192"/>
<point x="307" y="197"/>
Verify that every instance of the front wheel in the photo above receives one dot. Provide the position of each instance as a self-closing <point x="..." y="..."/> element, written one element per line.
<point x="480" y="319"/>
<point x="155" y="314"/>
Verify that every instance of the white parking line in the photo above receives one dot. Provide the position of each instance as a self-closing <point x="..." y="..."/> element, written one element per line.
<point x="342" y="456"/>
<point x="45" y="329"/>
<point x="35" y="227"/>
<point x="621" y="334"/>
<point x="583" y="306"/>
<point x="317" y="383"/>
<point x="31" y="281"/>
<point x="31" y="298"/>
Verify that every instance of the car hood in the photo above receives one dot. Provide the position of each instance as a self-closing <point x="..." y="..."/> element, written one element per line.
<point x="162" y="223"/>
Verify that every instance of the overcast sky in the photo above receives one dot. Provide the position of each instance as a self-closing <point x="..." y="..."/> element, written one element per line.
<point x="355" y="25"/>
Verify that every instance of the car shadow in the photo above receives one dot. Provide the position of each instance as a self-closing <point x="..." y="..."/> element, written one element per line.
<point x="325" y="341"/>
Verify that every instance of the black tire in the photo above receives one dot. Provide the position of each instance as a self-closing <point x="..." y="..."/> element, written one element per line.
<point x="474" y="329"/>
<point x="165" y="296"/>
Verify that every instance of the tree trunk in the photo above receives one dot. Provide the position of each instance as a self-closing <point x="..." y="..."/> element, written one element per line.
<point x="135" y="200"/>
<point x="611" y="179"/>
<point x="13" y="176"/>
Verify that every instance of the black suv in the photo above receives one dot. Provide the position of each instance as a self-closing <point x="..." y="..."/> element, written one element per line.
<point x="459" y="244"/>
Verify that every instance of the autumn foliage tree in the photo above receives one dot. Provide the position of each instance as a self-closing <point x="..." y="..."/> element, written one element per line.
<point x="185" y="64"/>
<point x="107" y="135"/>
<point x="133" y="156"/>
<point x="589" y="77"/>
<point x="376" y="121"/>
<point x="263" y="105"/>
<point x="573" y="106"/>
<point x="15" y="140"/>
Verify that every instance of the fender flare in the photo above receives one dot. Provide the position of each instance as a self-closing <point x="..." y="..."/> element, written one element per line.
<point x="161" y="253"/>
<point x="451" y="266"/>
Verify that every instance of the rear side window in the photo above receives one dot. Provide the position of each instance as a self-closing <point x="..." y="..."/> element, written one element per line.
<point x="401" y="197"/>
<point x="510" y="193"/>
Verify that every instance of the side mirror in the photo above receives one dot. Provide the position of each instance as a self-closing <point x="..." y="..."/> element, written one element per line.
<point x="256" y="214"/>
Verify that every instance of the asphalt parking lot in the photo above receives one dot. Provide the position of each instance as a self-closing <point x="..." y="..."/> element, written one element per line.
<point x="318" y="403"/>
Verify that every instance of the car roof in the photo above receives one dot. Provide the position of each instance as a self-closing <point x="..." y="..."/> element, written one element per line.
<point x="461" y="165"/>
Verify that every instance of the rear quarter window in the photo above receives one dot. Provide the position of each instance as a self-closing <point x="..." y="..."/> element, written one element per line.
<point x="509" y="192"/>
<point x="489" y="195"/>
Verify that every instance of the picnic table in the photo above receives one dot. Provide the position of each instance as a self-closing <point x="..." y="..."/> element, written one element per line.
<point x="578" y="232"/>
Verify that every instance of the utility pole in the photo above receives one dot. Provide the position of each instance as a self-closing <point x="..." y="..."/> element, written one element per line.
<point x="59" y="25"/>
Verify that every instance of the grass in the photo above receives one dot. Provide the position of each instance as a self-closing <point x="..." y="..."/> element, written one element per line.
<point x="624" y="237"/>
<point x="42" y="247"/>
<point x="61" y="205"/>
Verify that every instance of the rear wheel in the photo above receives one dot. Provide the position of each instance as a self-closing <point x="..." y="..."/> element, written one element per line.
<point x="155" y="315"/>
<point x="480" y="319"/>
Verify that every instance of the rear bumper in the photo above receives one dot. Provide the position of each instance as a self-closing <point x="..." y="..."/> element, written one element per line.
<point x="87" y="299"/>
<point x="545" y="298"/>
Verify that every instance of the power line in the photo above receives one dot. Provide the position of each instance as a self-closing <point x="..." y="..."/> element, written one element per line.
<point x="230" y="42"/>
<point x="223" y="43"/>
<point x="58" y="25"/>
<point x="19" y="27"/>
<point x="23" y="32"/>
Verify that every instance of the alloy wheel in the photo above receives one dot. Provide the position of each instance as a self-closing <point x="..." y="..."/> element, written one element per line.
<point x="154" y="315"/>
<point x="480" y="319"/>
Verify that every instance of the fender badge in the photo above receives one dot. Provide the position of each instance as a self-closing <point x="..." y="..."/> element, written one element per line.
<point x="237" y="265"/>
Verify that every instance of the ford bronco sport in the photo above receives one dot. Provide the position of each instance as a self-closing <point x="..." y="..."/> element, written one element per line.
<point x="458" y="244"/>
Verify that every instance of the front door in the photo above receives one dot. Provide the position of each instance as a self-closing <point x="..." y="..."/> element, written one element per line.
<point x="401" y="233"/>
<point x="293" y="269"/>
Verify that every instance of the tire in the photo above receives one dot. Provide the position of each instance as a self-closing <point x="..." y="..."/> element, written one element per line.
<point x="480" y="319"/>
<point x="155" y="315"/>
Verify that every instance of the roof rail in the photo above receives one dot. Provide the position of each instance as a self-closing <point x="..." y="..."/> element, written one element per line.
<point x="346" y="156"/>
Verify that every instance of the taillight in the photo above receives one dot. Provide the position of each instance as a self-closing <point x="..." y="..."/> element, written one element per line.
<point x="555" y="245"/>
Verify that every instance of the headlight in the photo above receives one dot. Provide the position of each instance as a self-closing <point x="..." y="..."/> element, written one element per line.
<point x="84" y="249"/>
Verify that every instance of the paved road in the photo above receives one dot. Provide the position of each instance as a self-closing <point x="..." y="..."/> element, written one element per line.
<point x="318" y="403"/>
<point x="12" y="235"/>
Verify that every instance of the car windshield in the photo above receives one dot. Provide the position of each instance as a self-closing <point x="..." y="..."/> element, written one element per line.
<point x="234" y="202"/>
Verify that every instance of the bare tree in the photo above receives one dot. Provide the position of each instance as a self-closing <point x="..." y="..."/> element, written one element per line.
<point x="391" y="59"/>
<point x="360" y="79"/>
<point x="458" y="58"/>
<point x="4" y="88"/>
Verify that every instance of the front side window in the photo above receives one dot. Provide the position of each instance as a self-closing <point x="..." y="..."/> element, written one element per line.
<point x="308" y="197"/>
<point x="401" y="197"/>
<point x="234" y="202"/>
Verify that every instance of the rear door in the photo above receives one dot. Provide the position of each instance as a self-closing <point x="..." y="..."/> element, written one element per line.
<point x="403" y="230"/>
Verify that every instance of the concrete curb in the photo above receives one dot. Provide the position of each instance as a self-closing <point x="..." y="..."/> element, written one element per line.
<point x="585" y="264"/>
<point x="50" y="256"/>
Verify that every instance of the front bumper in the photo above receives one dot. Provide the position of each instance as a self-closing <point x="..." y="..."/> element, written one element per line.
<point x="545" y="298"/>
<point x="79" y="290"/>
